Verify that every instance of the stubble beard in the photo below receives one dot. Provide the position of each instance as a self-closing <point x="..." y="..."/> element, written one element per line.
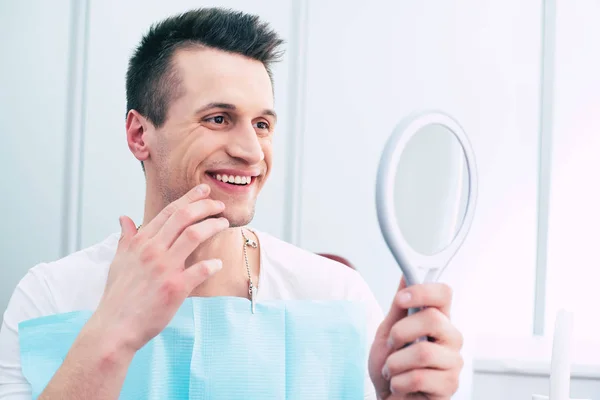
<point x="242" y="218"/>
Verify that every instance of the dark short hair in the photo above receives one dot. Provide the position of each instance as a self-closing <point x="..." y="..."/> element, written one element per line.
<point x="152" y="80"/>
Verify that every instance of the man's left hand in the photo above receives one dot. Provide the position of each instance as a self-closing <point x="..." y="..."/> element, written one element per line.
<point x="424" y="370"/>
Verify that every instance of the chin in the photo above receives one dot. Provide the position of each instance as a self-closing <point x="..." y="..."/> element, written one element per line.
<point x="238" y="218"/>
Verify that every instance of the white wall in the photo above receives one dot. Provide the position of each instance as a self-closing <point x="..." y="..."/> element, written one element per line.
<point x="351" y="73"/>
<point x="574" y="220"/>
<point x="33" y="124"/>
<point x="573" y="217"/>
<point x="465" y="59"/>
<point x="477" y="60"/>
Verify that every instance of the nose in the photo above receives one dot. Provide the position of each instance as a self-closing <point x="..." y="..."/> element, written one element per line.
<point x="244" y="145"/>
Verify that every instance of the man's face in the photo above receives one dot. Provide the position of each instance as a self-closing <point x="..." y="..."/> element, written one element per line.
<point x="219" y="132"/>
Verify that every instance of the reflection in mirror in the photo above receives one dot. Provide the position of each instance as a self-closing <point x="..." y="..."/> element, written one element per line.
<point x="431" y="189"/>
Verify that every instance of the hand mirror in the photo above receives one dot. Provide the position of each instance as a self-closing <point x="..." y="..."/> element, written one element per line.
<point x="425" y="194"/>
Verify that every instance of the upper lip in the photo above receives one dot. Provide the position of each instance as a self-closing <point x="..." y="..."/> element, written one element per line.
<point x="235" y="172"/>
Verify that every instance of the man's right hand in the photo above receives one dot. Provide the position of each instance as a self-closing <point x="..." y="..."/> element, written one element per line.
<point x="148" y="279"/>
<point x="147" y="283"/>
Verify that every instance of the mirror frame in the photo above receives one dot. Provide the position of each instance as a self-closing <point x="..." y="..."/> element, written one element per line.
<point x="404" y="254"/>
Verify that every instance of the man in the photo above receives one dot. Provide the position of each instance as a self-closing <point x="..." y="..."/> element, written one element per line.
<point x="200" y="119"/>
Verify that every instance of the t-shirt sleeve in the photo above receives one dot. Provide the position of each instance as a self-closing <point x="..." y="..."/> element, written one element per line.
<point x="30" y="299"/>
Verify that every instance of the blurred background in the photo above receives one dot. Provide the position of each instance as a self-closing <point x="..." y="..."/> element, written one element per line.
<point x="521" y="77"/>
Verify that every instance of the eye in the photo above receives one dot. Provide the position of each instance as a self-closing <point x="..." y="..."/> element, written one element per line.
<point x="262" y="125"/>
<point x="217" y="119"/>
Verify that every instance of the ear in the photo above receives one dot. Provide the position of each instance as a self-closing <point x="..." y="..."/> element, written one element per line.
<point x="137" y="126"/>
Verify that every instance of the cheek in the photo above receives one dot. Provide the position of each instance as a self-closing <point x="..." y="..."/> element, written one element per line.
<point x="193" y="157"/>
<point x="267" y="149"/>
<point x="163" y="157"/>
<point x="198" y="150"/>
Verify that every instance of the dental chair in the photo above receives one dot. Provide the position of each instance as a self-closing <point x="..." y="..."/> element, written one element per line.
<point x="338" y="259"/>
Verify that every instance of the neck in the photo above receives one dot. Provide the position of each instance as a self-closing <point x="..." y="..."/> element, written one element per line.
<point x="227" y="246"/>
<point x="221" y="246"/>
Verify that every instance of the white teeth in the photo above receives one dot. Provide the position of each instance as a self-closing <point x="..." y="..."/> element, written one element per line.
<point x="238" y="180"/>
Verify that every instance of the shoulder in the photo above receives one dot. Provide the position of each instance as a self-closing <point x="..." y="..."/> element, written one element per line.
<point x="311" y="275"/>
<point x="72" y="282"/>
<point x="278" y="250"/>
<point x="289" y="256"/>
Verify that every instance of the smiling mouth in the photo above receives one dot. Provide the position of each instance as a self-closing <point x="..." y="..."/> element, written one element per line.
<point x="237" y="180"/>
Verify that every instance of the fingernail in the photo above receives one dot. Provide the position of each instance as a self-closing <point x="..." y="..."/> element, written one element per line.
<point x="221" y="204"/>
<point x="215" y="266"/>
<point x="202" y="189"/>
<point x="121" y="225"/>
<point x="390" y="343"/>
<point x="385" y="372"/>
<point x="404" y="297"/>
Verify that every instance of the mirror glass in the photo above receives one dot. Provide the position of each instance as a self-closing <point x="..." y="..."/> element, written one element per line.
<point x="431" y="189"/>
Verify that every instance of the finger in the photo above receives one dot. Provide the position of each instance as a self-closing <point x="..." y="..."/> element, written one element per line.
<point x="421" y="355"/>
<point x="435" y="384"/>
<point x="412" y="396"/>
<point x="185" y="217"/>
<point x="198" y="193"/>
<point x="196" y="274"/>
<point x="194" y="235"/>
<point x="128" y="230"/>
<point x="438" y="295"/>
<point x="394" y="314"/>
<point x="430" y="322"/>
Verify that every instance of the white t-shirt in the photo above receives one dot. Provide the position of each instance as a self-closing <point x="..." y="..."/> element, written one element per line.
<point x="77" y="282"/>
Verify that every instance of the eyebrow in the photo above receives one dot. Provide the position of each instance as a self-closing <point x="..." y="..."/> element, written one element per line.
<point x="232" y="107"/>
